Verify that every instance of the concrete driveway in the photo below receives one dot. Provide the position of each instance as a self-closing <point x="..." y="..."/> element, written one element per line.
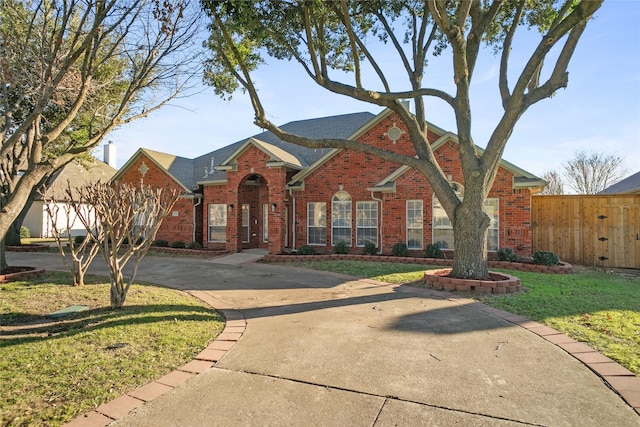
<point x="323" y="349"/>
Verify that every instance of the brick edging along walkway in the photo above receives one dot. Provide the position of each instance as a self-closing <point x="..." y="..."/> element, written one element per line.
<point x="562" y="268"/>
<point x="106" y="413"/>
<point x="619" y="379"/>
<point x="622" y="381"/>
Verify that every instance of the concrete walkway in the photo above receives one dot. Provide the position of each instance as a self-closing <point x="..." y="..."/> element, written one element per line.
<point x="323" y="349"/>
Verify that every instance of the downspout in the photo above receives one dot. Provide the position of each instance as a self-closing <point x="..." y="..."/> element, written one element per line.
<point x="193" y="239"/>
<point x="381" y="216"/>
<point x="293" y="220"/>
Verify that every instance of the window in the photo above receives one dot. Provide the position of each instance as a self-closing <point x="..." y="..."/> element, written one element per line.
<point x="217" y="222"/>
<point x="341" y="218"/>
<point x="316" y="223"/>
<point x="366" y="223"/>
<point x="265" y="222"/>
<point x="414" y="224"/>
<point x="245" y="223"/>
<point x="491" y="209"/>
<point x="443" y="230"/>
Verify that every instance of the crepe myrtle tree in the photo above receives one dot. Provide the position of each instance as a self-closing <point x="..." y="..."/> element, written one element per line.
<point x="123" y="222"/>
<point x="336" y="45"/>
<point x="62" y="211"/>
<point x="72" y="71"/>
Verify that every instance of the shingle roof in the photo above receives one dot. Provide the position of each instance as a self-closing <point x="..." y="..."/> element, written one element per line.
<point x="78" y="174"/>
<point x="341" y="126"/>
<point x="180" y="168"/>
<point x="630" y="184"/>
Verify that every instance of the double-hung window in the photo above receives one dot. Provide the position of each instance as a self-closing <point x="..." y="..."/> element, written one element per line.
<point x="443" y="229"/>
<point x="317" y="223"/>
<point x="366" y="223"/>
<point x="341" y="219"/>
<point x="217" y="222"/>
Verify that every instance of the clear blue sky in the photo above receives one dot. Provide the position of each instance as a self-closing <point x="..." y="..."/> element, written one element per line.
<point x="598" y="111"/>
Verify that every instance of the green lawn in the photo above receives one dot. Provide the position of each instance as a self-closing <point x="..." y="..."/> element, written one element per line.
<point x="52" y="372"/>
<point x="599" y="309"/>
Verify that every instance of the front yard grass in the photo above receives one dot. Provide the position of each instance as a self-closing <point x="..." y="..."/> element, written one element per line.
<point x="599" y="309"/>
<point x="54" y="371"/>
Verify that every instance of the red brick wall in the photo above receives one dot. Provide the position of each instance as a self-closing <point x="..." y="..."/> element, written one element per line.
<point x="272" y="189"/>
<point x="356" y="172"/>
<point x="178" y="226"/>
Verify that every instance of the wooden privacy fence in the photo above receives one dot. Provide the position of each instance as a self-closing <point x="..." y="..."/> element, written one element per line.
<point x="600" y="230"/>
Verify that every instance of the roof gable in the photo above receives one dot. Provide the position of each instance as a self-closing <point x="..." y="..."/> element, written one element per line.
<point x="179" y="169"/>
<point x="522" y="178"/>
<point x="341" y="126"/>
<point x="295" y="181"/>
<point x="276" y="154"/>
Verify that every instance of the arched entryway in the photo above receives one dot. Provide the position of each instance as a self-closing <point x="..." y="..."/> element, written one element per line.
<point x="253" y="212"/>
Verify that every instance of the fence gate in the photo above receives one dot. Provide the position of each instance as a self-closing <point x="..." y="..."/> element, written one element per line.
<point x="600" y="230"/>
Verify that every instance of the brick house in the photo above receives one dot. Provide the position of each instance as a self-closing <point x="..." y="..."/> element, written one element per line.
<point x="262" y="192"/>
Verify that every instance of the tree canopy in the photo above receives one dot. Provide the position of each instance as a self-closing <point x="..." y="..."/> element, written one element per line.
<point x="336" y="45"/>
<point x="72" y="71"/>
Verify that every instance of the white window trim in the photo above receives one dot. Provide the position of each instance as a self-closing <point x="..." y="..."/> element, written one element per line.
<point x="309" y="226"/>
<point x="224" y="208"/>
<point x="421" y="228"/>
<point x="350" y="217"/>
<point x="246" y="208"/>
<point x="486" y="202"/>
<point x="372" y="203"/>
<point x="265" y="223"/>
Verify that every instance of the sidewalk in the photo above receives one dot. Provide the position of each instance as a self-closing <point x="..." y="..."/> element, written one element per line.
<point x="324" y="349"/>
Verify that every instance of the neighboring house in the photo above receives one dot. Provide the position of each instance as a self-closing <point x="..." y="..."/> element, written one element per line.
<point x="77" y="174"/>
<point x="262" y="192"/>
<point x="629" y="185"/>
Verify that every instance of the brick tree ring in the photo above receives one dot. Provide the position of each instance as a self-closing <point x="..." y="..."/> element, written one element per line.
<point x="499" y="283"/>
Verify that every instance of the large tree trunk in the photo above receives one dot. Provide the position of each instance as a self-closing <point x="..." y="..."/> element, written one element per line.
<point x="3" y="258"/>
<point x="470" y="227"/>
<point x="12" y="238"/>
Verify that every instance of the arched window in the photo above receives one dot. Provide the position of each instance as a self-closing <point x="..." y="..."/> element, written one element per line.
<point x="341" y="218"/>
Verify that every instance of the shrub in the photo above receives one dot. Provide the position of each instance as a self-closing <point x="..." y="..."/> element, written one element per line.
<point x="306" y="250"/>
<point x="160" y="243"/>
<point x="400" y="249"/>
<point x="178" y="245"/>
<point x="547" y="258"/>
<point x="194" y="245"/>
<point x="24" y="232"/>
<point x="506" y="254"/>
<point x="370" y="248"/>
<point x="433" y="251"/>
<point x="341" y="248"/>
<point x="78" y="240"/>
